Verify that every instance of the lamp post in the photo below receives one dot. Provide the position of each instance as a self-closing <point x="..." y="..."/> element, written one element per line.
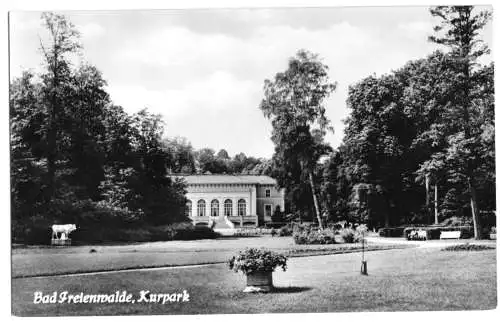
<point x="364" y="267"/>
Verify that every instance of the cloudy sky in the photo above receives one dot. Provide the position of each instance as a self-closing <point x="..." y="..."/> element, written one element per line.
<point x="203" y="70"/>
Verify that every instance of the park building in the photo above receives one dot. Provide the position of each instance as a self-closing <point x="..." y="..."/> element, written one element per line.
<point x="232" y="201"/>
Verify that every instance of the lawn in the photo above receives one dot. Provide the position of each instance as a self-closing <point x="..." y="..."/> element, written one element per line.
<point x="413" y="279"/>
<point x="36" y="261"/>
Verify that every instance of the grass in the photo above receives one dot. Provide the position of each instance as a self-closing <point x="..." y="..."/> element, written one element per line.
<point x="30" y="262"/>
<point x="399" y="280"/>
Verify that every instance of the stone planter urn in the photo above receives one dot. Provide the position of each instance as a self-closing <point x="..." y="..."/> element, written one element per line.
<point x="258" y="266"/>
<point x="259" y="281"/>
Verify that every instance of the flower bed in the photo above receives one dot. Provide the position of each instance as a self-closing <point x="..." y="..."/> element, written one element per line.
<point x="314" y="236"/>
<point x="467" y="247"/>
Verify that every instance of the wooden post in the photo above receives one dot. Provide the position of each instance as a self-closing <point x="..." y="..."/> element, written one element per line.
<point x="364" y="266"/>
<point x="436" y="220"/>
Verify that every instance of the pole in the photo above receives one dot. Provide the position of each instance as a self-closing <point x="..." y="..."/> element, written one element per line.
<point x="364" y="269"/>
<point x="436" y="220"/>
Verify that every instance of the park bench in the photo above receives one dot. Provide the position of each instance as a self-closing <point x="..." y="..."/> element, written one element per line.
<point x="450" y="235"/>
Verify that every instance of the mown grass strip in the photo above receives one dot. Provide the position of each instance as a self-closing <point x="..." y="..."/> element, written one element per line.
<point x="293" y="253"/>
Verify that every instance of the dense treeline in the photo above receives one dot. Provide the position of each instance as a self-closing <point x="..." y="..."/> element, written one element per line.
<point x="418" y="144"/>
<point x="186" y="160"/>
<point x="401" y="130"/>
<point x="78" y="158"/>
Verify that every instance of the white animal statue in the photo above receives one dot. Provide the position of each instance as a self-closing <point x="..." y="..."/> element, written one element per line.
<point x="64" y="229"/>
<point x="422" y="235"/>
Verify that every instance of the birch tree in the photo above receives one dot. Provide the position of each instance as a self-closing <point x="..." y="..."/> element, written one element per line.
<point x="294" y="101"/>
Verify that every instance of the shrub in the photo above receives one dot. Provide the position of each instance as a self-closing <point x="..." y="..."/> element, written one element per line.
<point x="467" y="247"/>
<point x="194" y="233"/>
<point x="129" y="234"/>
<point x="300" y="237"/>
<point x="36" y="233"/>
<point x="347" y="235"/>
<point x="257" y="260"/>
<point x="285" y="232"/>
<point x="351" y="236"/>
<point x="314" y="236"/>
<point x="145" y="233"/>
<point x="391" y="232"/>
<point x="274" y="225"/>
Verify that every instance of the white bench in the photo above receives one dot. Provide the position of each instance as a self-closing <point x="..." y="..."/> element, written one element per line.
<point x="450" y="235"/>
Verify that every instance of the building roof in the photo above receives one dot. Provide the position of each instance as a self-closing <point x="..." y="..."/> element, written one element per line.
<point x="229" y="179"/>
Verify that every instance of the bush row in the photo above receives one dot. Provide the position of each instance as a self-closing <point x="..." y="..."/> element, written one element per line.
<point x="315" y="236"/>
<point x="391" y="232"/>
<point x="41" y="233"/>
<point x="311" y="235"/>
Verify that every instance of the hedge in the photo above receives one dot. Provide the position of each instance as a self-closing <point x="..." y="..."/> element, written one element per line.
<point x="41" y="234"/>
<point x="391" y="232"/>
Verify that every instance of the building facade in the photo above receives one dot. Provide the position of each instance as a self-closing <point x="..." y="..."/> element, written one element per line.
<point x="231" y="201"/>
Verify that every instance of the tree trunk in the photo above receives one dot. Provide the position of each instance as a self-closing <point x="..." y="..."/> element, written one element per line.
<point x="475" y="210"/>
<point x="467" y="132"/>
<point x="436" y="220"/>
<point x="428" y="197"/>
<point x="52" y="132"/>
<point x="387" y="222"/>
<point x="315" y="199"/>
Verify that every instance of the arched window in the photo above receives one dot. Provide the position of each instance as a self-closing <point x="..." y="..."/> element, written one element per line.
<point x="201" y="208"/>
<point x="228" y="207"/>
<point x="214" y="208"/>
<point x="242" y="207"/>
<point x="189" y="208"/>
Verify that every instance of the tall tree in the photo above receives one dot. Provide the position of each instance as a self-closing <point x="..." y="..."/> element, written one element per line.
<point x="459" y="30"/>
<point x="222" y="154"/>
<point x="397" y="123"/>
<point x="63" y="41"/>
<point x="294" y="101"/>
<point x="182" y="155"/>
<point x="27" y="119"/>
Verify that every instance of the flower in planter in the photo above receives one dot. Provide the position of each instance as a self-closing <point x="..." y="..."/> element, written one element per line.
<point x="258" y="265"/>
<point x="257" y="260"/>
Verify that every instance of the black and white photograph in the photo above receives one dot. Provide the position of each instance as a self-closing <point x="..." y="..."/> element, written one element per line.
<point x="252" y="160"/>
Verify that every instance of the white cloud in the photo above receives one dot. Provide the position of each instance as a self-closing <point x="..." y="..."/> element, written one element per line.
<point x="19" y="23"/>
<point x="271" y="44"/>
<point x="416" y="26"/>
<point x="215" y="93"/>
<point x="90" y="30"/>
<point x="351" y="52"/>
